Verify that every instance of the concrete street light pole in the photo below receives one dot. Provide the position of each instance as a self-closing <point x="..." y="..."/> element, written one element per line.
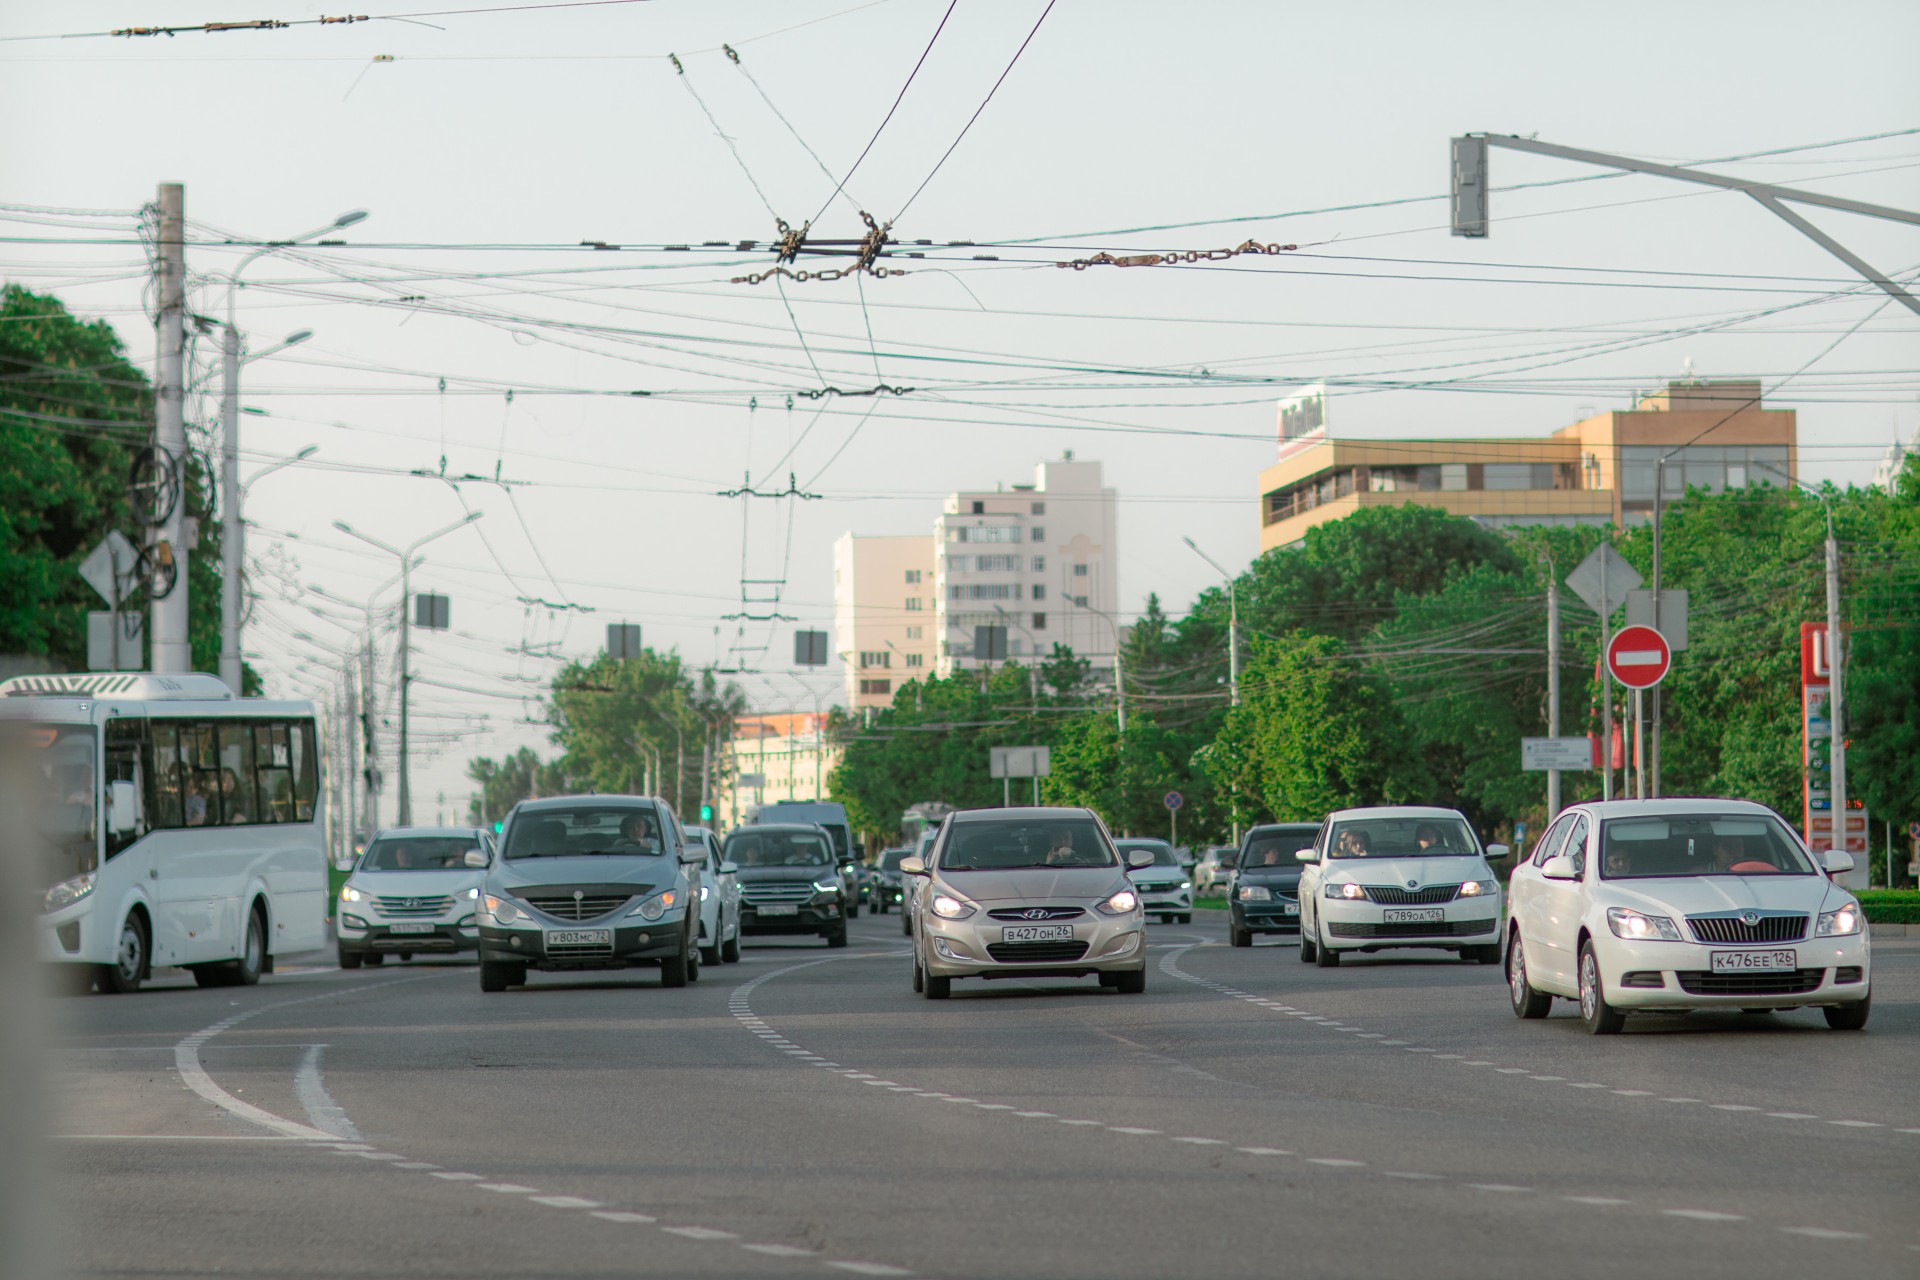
<point x="1233" y="648"/>
<point x="406" y="635"/>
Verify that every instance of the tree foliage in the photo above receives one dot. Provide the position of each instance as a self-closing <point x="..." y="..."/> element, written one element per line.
<point x="508" y="781"/>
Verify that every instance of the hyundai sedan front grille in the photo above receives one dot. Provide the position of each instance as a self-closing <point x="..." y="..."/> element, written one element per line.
<point x="1036" y="913"/>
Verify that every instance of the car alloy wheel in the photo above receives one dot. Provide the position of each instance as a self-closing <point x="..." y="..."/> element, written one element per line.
<point x="1602" y="1019"/>
<point x="1527" y="1003"/>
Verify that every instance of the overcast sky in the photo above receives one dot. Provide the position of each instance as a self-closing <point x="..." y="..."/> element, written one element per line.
<point x="462" y="321"/>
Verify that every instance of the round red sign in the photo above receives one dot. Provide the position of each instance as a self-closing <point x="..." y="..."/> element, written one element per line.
<point x="1638" y="657"/>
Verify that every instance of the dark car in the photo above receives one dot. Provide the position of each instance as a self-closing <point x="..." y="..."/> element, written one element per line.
<point x="790" y="881"/>
<point x="889" y="890"/>
<point x="1266" y="881"/>
<point x="591" y="882"/>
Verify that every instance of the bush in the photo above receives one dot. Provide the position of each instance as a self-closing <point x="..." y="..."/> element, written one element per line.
<point x="1891" y="906"/>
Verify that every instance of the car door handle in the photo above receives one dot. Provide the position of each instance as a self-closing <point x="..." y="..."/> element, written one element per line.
<point x="153" y="873"/>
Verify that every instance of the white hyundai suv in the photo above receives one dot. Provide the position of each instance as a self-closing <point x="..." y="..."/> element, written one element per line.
<point x="1392" y="877"/>
<point x="1684" y="904"/>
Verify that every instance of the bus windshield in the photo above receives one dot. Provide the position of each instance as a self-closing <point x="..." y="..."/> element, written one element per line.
<point x="56" y="764"/>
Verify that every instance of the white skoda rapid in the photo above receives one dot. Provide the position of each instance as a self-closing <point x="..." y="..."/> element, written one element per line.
<point x="1398" y="877"/>
<point x="1671" y="905"/>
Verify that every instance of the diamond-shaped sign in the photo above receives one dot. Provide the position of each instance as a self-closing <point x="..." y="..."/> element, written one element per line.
<point x="109" y="567"/>
<point x="1605" y="576"/>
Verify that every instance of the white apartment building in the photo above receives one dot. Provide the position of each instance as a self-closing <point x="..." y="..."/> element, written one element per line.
<point x="1039" y="559"/>
<point x="884" y="613"/>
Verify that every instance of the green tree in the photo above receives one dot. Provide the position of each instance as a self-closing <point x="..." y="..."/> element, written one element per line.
<point x="505" y="783"/>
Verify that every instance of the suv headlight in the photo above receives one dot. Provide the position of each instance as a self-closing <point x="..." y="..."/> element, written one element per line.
<point x="1832" y="924"/>
<point x="68" y="892"/>
<point x="1120" y="903"/>
<point x="827" y="886"/>
<point x="948" y="907"/>
<point x="1255" y="893"/>
<point x="350" y="892"/>
<point x="1475" y="888"/>
<point x="1348" y="892"/>
<point x="658" y="905"/>
<point x="1640" y="927"/>
<point x="502" y="911"/>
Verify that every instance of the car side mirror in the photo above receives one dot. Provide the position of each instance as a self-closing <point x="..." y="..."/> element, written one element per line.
<point x="1559" y="867"/>
<point x="476" y="858"/>
<point x="1139" y="858"/>
<point x="913" y="866"/>
<point x="120" y="814"/>
<point x="729" y="868"/>
<point x="691" y="855"/>
<point x="1305" y="855"/>
<point x="1498" y="850"/>
<point x="1834" y="861"/>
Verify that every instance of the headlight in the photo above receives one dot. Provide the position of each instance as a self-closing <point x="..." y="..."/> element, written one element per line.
<point x="826" y="886"/>
<point x="950" y="908"/>
<point x="1255" y="893"/>
<point x="1632" y="924"/>
<point x="1832" y="924"/>
<point x="349" y="893"/>
<point x="704" y="893"/>
<point x="68" y="892"/>
<point x="473" y="892"/>
<point x="1120" y="903"/>
<point x="1348" y="891"/>
<point x="1186" y="884"/>
<point x="502" y="911"/>
<point x="656" y="906"/>
<point x="1474" y="888"/>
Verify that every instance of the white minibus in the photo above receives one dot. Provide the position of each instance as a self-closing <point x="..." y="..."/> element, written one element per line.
<point x="174" y="824"/>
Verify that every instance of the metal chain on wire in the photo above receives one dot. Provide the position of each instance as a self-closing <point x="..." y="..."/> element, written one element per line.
<point x="1177" y="256"/>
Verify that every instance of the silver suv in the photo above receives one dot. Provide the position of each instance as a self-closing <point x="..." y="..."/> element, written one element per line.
<point x="1025" y="893"/>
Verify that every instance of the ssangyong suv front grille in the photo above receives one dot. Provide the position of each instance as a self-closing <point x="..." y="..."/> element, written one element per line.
<point x="587" y="906"/>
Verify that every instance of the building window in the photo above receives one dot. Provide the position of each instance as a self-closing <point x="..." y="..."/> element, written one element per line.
<point x="1039" y="508"/>
<point x="913" y="633"/>
<point x="1039" y="564"/>
<point x="913" y="604"/>
<point x="916" y="660"/>
<point x="1039" y="622"/>
<point x="1039" y="591"/>
<point x="1453" y="476"/>
<point x="986" y="533"/>
<point x="1517" y="475"/>
<point x="1080" y="571"/>
<point x="1081" y="601"/>
<point x="876" y="686"/>
<point x="996" y="564"/>
<point x="875" y="658"/>
<point x="979" y="508"/>
<point x="913" y="577"/>
<point x="984" y="591"/>
<point x="1039" y="534"/>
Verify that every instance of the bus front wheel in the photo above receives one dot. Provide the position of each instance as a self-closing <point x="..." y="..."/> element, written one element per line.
<point x="129" y="967"/>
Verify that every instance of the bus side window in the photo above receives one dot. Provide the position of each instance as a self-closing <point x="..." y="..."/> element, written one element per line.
<point x="275" y="771"/>
<point x="236" y="773"/>
<point x="201" y="795"/>
<point x="166" y="776"/>
<point x="126" y="747"/>
<point x="305" y="762"/>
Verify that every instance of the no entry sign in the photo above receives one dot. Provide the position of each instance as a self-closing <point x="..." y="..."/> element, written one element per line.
<point x="1638" y="657"/>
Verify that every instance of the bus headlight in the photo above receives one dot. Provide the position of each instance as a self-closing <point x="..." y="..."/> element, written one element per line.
<point x="68" y="892"/>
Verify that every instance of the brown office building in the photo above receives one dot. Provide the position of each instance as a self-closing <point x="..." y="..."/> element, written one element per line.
<point x="1597" y="471"/>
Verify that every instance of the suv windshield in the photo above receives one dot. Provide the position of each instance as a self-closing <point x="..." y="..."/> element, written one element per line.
<point x="750" y="848"/>
<point x="1704" y="844"/>
<point x="579" y="831"/>
<point x="891" y="859"/>
<point x="418" y="853"/>
<point x="1021" y="846"/>
<point x="1276" y="848"/>
<point x="1402" y="838"/>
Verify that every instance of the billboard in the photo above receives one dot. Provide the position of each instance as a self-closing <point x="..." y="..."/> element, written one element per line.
<point x="1302" y="419"/>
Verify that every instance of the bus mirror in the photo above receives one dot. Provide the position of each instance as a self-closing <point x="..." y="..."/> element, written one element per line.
<point x="120" y="814"/>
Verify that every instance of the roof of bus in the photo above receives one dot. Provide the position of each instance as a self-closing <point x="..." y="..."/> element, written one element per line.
<point x="144" y="686"/>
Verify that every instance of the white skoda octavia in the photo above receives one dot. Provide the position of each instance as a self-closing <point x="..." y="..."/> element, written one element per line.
<point x="1398" y="877"/>
<point x="1668" y="905"/>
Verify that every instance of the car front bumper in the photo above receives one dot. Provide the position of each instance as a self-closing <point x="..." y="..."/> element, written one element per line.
<point x="976" y="948"/>
<point x="1349" y="924"/>
<point x="811" y="918"/>
<point x="1827" y="971"/>
<point x="1157" y="899"/>
<point x="634" y="942"/>
<point x="1280" y="915"/>
<point x="356" y="933"/>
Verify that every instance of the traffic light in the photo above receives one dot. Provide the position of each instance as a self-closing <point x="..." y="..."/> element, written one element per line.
<point x="706" y="813"/>
<point x="498" y="827"/>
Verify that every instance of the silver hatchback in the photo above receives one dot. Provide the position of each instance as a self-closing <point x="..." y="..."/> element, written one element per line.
<point x="1025" y="893"/>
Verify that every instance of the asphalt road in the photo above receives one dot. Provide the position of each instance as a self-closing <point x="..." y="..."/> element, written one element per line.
<point x="803" y="1114"/>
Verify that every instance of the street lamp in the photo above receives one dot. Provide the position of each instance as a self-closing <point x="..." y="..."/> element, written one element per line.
<point x="233" y="539"/>
<point x="230" y="489"/>
<point x="1233" y="653"/>
<point x="406" y="635"/>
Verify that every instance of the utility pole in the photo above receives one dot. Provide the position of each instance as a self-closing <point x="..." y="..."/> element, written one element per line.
<point x="352" y="738"/>
<point x="231" y="537"/>
<point x="1553" y="686"/>
<point x="1606" y="697"/>
<point x="370" y="743"/>
<point x="406" y="671"/>
<point x="1836" y="713"/>
<point x="172" y="654"/>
